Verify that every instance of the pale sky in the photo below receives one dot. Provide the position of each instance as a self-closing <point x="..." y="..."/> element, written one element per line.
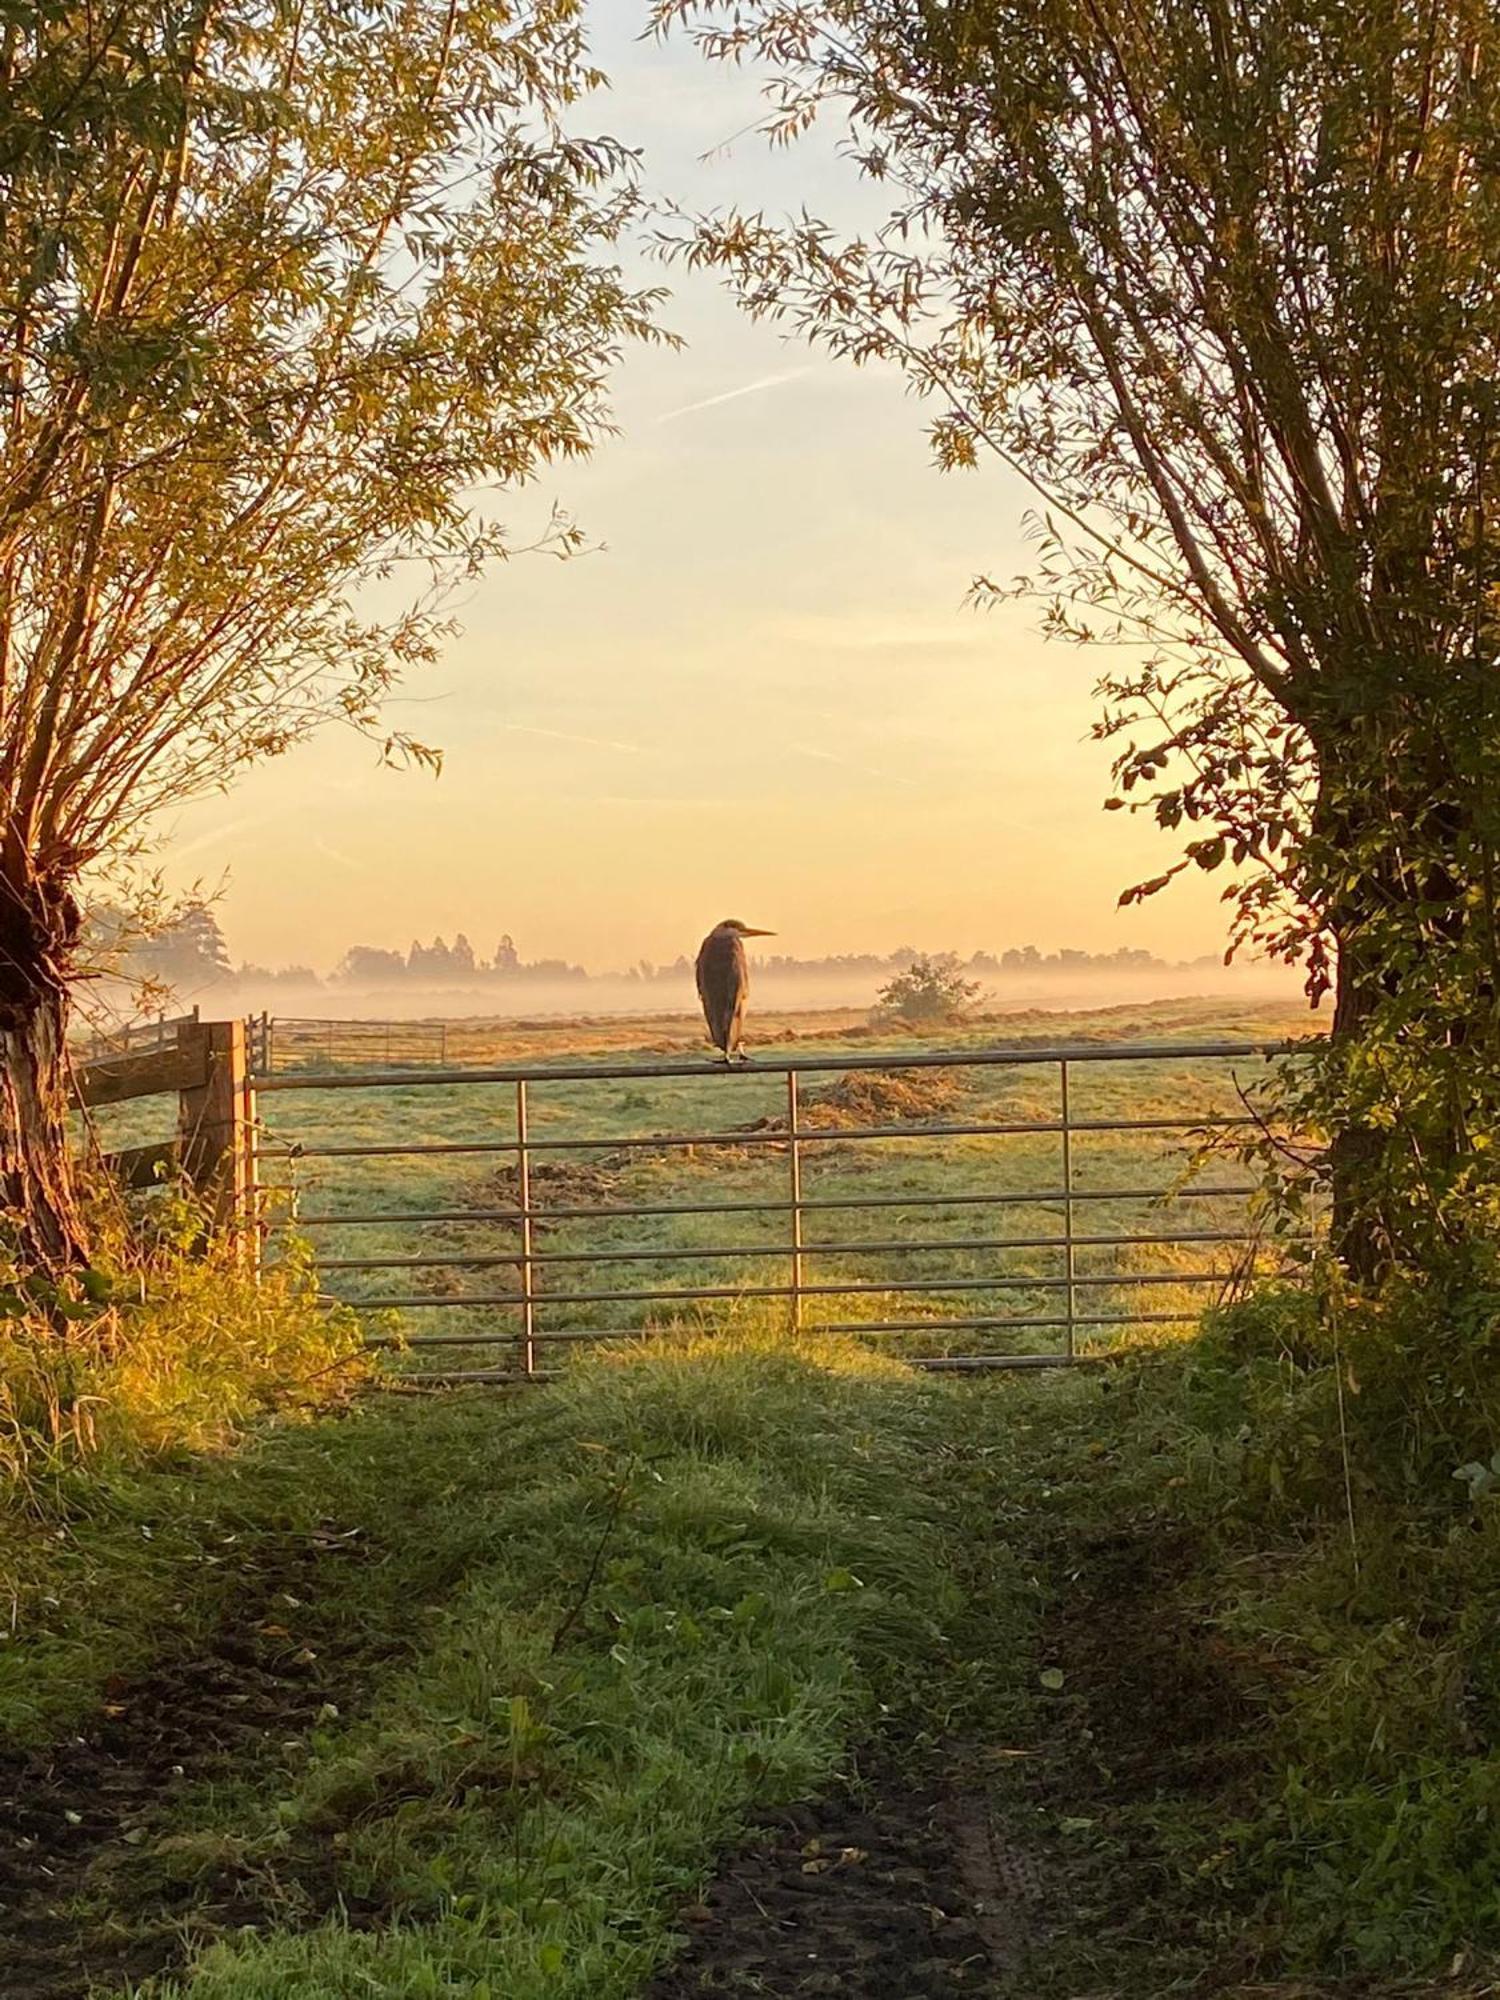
<point x="763" y="695"/>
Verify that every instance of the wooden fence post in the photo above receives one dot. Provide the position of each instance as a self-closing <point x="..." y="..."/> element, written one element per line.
<point x="216" y="1130"/>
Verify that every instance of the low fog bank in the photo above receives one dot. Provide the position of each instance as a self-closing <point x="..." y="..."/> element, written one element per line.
<point x="771" y="992"/>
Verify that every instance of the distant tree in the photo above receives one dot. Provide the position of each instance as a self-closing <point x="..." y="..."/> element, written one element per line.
<point x="1223" y="284"/>
<point x="282" y="289"/>
<point x="928" y="993"/>
<point x="281" y="975"/>
<point x="427" y="961"/>
<point x="367" y="965"/>
<point x="185" y="954"/>
<point x="507" y="958"/>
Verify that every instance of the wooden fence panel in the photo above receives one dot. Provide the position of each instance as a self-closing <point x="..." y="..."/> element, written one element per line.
<point x="214" y="1150"/>
<point x="114" y="1079"/>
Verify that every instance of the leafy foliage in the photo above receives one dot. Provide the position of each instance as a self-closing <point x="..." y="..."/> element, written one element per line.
<point x="180" y="1347"/>
<point x="281" y="296"/>
<point x="927" y="993"/>
<point x="1223" y="285"/>
<point x="284" y="285"/>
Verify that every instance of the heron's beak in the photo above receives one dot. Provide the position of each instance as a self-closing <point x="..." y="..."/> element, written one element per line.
<point x="747" y="932"/>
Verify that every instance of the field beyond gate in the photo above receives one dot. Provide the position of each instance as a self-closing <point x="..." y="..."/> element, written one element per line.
<point x="974" y="1205"/>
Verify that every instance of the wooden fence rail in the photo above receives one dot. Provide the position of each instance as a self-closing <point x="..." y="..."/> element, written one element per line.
<point x="206" y="1067"/>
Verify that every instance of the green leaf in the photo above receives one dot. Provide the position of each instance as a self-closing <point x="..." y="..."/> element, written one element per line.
<point x="1053" y="1678"/>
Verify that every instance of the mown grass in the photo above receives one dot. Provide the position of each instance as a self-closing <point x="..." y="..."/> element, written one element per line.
<point x="605" y="1622"/>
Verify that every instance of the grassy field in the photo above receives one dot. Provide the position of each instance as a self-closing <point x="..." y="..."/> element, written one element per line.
<point x="515" y="1695"/>
<point x="462" y="1696"/>
<point x="1022" y="1173"/>
<point x="733" y="1651"/>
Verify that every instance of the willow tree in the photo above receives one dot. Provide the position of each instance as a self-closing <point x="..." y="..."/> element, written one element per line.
<point x="284" y="285"/>
<point x="1222" y="282"/>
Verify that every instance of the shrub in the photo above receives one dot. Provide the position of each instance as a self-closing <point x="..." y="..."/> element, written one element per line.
<point x="929" y="993"/>
<point x="167" y="1345"/>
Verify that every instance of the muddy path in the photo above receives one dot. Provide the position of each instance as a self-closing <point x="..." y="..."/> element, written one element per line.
<point x="75" y="1818"/>
<point x="1030" y="1866"/>
<point x="888" y="1888"/>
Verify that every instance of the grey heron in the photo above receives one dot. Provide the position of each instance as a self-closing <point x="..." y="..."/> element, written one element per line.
<point x="724" y="983"/>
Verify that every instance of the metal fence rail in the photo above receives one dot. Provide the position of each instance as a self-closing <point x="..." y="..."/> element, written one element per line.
<point x="537" y="1239"/>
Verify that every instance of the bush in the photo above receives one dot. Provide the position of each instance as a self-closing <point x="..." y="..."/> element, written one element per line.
<point x="929" y="993"/>
<point x="1357" y="1452"/>
<point x="166" y="1346"/>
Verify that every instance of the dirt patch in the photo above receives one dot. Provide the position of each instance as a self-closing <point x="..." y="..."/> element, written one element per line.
<point x="1167" y="1707"/>
<point x="1147" y="1736"/>
<point x="76" y="1819"/>
<point x="554" y="1184"/>
<point x="898" y="1891"/>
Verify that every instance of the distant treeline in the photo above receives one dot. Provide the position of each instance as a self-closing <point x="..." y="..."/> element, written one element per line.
<point x="190" y="953"/>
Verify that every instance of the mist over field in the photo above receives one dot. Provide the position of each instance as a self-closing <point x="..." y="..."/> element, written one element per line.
<point x="771" y="991"/>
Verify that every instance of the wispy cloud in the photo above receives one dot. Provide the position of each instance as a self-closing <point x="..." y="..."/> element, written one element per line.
<point x="216" y="836"/>
<point x="568" y="736"/>
<point x="849" y="764"/>
<point x="755" y="388"/>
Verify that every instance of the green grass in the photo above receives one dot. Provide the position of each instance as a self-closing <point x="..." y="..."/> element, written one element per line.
<point x="599" y="1624"/>
<point x="603" y="1623"/>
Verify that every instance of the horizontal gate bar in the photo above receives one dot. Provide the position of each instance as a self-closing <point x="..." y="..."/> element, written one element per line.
<point x="628" y="1211"/>
<point x="577" y="1334"/>
<point x="684" y="1141"/>
<point x="830" y="1065"/>
<point x="470" y="1262"/>
<point x="928" y="1363"/>
<point x="989" y="1284"/>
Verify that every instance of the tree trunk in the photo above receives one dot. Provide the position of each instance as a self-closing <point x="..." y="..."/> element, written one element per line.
<point x="1413" y="970"/>
<point x="39" y="1220"/>
<point x="1358" y="1234"/>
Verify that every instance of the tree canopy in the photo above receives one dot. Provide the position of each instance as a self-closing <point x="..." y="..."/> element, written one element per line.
<point x="285" y="286"/>
<point x="1222" y="283"/>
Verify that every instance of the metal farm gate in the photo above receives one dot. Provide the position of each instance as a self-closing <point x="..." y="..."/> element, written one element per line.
<point x="512" y="1211"/>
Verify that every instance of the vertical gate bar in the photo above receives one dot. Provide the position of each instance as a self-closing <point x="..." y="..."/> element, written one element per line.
<point x="1069" y="1254"/>
<point x="253" y="1220"/>
<point x="794" y="1135"/>
<point x="523" y="1192"/>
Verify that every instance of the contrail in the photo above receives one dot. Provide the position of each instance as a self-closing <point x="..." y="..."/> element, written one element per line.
<point x="733" y="395"/>
<point x="216" y="835"/>
<point x="567" y="736"/>
<point x="865" y="770"/>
